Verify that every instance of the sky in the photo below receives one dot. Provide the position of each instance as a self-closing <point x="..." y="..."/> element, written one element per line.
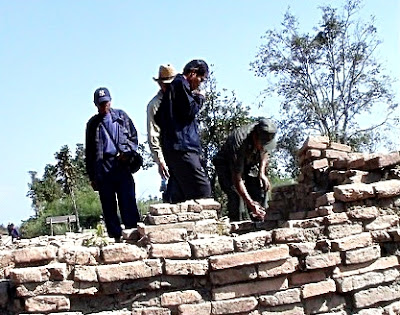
<point x="54" y="54"/>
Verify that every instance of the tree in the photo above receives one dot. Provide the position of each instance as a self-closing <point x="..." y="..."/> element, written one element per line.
<point x="329" y="80"/>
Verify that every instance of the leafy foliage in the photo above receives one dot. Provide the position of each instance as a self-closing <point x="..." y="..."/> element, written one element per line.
<point x="328" y="80"/>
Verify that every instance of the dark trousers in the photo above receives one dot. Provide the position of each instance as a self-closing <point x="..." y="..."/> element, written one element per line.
<point x="188" y="179"/>
<point x="237" y="210"/>
<point x="118" y="183"/>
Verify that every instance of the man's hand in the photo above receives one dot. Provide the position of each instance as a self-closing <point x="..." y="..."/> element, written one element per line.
<point x="163" y="170"/>
<point x="258" y="211"/>
<point x="264" y="181"/>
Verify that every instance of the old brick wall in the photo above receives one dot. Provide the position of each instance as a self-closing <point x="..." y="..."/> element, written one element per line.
<point x="331" y="245"/>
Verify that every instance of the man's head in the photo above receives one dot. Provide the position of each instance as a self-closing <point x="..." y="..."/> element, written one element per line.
<point x="102" y="100"/>
<point x="196" y="72"/>
<point x="166" y="75"/>
<point x="264" y="132"/>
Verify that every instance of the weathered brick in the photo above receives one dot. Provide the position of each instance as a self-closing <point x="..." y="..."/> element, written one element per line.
<point x="325" y="200"/>
<point x="322" y="260"/>
<point x="334" y="154"/>
<point x="304" y="224"/>
<point x="382" y="161"/>
<point x="366" y="279"/>
<point x="211" y="246"/>
<point x="383" y="222"/>
<point x="291" y="309"/>
<point x="361" y="255"/>
<point x="173" y="236"/>
<point x="300" y="249"/>
<point x="249" y="288"/>
<point x="79" y="255"/>
<point x="152" y="310"/>
<point x="232" y="275"/>
<point x="374" y="295"/>
<point x="307" y="277"/>
<point x="276" y="268"/>
<point x="208" y="204"/>
<point x="198" y="309"/>
<point x="211" y="226"/>
<point x="387" y="188"/>
<point x="336" y="218"/>
<point x="252" y="241"/>
<point x="180" y="297"/>
<point x="352" y="242"/>
<point x="47" y="303"/>
<point x="290" y="296"/>
<point x="209" y="214"/>
<point x="318" y="288"/>
<point x="285" y="235"/>
<point x="85" y="273"/>
<point x="162" y="209"/>
<point x="129" y="271"/>
<point x="56" y="271"/>
<point x="319" y="164"/>
<point x="379" y="264"/>
<point x="339" y="147"/>
<point x="175" y="250"/>
<point x="324" y="303"/>
<point x="364" y="213"/>
<point x="122" y="253"/>
<point x="314" y="142"/>
<point x="146" y="229"/>
<point x="186" y="267"/>
<point x="249" y="258"/>
<point x="34" y="254"/>
<point x="353" y="192"/>
<point x="343" y="230"/>
<point x="162" y="219"/>
<point x="189" y="216"/>
<point x="380" y="236"/>
<point x="66" y="287"/>
<point x="393" y="308"/>
<point x="240" y="305"/>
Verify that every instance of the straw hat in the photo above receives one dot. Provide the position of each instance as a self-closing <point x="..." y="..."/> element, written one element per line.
<point x="166" y="74"/>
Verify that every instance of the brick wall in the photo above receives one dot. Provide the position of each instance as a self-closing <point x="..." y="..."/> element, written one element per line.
<point x="331" y="245"/>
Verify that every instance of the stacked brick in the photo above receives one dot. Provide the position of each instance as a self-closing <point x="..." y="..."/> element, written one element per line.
<point x="339" y="256"/>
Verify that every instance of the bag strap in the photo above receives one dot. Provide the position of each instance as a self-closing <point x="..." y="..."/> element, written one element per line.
<point x="111" y="137"/>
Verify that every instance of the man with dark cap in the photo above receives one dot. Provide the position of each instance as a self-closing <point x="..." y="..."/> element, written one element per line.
<point x="180" y="139"/>
<point x="241" y="165"/>
<point x="111" y="138"/>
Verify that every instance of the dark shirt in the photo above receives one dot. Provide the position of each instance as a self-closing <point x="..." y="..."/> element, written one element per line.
<point x="177" y="117"/>
<point x="98" y="154"/>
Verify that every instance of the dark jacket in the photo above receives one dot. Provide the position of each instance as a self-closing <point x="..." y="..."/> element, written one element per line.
<point x="177" y="117"/>
<point x="127" y="140"/>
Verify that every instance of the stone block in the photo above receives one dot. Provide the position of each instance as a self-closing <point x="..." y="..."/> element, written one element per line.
<point x="146" y="229"/>
<point x="382" y="161"/>
<point x="173" y="236"/>
<point x="232" y="275"/>
<point x="122" y="253"/>
<point x="162" y="219"/>
<point x="372" y="278"/>
<point x="186" y="267"/>
<point x="319" y="164"/>
<point x="314" y="142"/>
<point x="352" y="242"/>
<point x="383" y="222"/>
<point x="208" y="204"/>
<point x="79" y="255"/>
<point x="85" y="273"/>
<point x="252" y="241"/>
<point x="379" y="294"/>
<point x="325" y="200"/>
<point x="339" y="147"/>
<point x="239" y="305"/>
<point x="387" y="188"/>
<point x="286" y="235"/>
<point x="361" y="255"/>
<point x="336" y="218"/>
<point x="343" y="230"/>
<point x="307" y="277"/>
<point x="129" y="271"/>
<point x="180" y="297"/>
<point x="322" y="261"/>
<point x="152" y="310"/>
<point x="202" y="248"/>
<point x="301" y="249"/>
<point x="353" y="192"/>
<point x="249" y="258"/>
<point x="175" y="250"/>
<point x="290" y="296"/>
<point x="363" y="213"/>
<point x="249" y="288"/>
<point x="162" y="209"/>
<point x="277" y="268"/>
<point x="34" y="254"/>
<point x="57" y="271"/>
<point x="198" y="309"/>
<point x="47" y="303"/>
<point x="327" y="303"/>
<point x="318" y="288"/>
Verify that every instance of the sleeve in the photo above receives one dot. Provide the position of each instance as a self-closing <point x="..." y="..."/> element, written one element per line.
<point x="133" y="136"/>
<point x="189" y="105"/>
<point x="153" y="134"/>
<point x="90" y="153"/>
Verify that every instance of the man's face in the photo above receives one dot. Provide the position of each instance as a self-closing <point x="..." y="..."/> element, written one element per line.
<point x="195" y="80"/>
<point x="104" y="108"/>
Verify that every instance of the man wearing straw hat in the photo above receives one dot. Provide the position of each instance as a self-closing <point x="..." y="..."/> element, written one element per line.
<point x="241" y="166"/>
<point x="166" y="74"/>
<point x="180" y="137"/>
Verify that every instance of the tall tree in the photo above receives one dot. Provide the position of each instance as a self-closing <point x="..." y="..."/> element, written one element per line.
<point x="329" y="80"/>
<point x="68" y="174"/>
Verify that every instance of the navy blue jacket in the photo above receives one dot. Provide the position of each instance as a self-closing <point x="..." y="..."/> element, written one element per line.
<point x="177" y="117"/>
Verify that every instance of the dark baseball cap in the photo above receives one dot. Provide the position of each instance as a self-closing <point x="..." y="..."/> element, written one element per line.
<point x="101" y="95"/>
<point x="266" y="130"/>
